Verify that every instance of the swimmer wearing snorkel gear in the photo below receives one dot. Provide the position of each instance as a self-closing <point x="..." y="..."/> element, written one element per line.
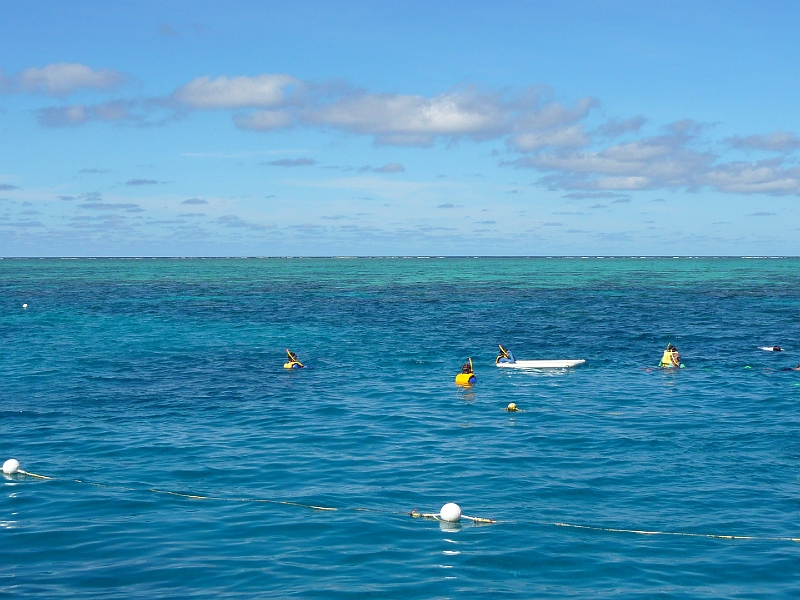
<point x="293" y="362"/>
<point x="671" y="358"/>
<point x="467" y="375"/>
<point x="797" y="368"/>
<point x="505" y="356"/>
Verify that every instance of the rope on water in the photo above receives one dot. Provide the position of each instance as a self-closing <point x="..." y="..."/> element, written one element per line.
<point x="450" y="513"/>
<point x="11" y="467"/>
<point x="714" y="536"/>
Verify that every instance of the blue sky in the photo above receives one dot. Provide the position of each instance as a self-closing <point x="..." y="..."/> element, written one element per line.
<point x="395" y="128"/>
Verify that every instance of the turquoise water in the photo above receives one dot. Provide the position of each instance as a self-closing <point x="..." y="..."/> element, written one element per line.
<point x="167" y="374"/>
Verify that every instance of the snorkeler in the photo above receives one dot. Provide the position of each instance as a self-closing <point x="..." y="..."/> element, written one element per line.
<point x="797" y="368"/>
<point x="467" y="375"/>
<point x="505" y="356"/>
<point x="293" y="362"/>
<point x="671" y="358"/>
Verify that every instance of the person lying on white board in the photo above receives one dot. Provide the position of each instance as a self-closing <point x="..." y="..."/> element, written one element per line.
<point x="505" y="356"/>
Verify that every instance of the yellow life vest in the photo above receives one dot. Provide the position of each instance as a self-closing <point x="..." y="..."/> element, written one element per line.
<point x="465" y="379"/>
<point x="668" y="360"/>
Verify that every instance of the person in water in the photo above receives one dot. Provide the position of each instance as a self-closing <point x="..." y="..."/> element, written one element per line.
<point x="293" y="362"/>
<point x="797" y="368"/>
<point x="505" y="356"/>
<point x="671" y="358"/>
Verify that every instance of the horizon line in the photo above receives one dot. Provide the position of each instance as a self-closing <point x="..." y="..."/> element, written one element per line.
<point x="401" y="256"/>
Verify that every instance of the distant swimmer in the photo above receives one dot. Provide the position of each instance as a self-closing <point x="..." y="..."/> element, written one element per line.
<point x="467" y="375"/>
<point x="671" y="358"/>
<point x="293" y="362"/>
<point x="771" y="348"/>
<point x="797" y="368"/>
<point x="505" y="356"/>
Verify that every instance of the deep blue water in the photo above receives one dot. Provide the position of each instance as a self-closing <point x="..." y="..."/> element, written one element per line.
<point x="167" y="374"/>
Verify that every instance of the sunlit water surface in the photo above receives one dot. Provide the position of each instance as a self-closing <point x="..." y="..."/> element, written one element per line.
<point x="160" y="374"/>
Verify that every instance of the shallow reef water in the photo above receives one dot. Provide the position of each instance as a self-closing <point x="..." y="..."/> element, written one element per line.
<point x="128" y="379"/>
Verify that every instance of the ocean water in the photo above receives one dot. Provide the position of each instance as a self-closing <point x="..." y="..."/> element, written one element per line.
<point x="125" y="380"/>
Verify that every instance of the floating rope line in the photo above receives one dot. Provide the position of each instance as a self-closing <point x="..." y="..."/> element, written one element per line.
<point x="449" y="513"/>
<point x="713" y="536"/>
<point x="224" y="499"/>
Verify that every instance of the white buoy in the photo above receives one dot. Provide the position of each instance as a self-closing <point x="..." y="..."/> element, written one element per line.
<point x="24" y="306"/>
<point x="451" y="513"/>
<point x="11" y="466"/>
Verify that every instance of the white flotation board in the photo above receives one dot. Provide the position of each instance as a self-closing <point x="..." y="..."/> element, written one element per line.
<point x="542" y="364"/>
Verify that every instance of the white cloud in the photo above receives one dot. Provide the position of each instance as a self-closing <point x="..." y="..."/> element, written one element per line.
<point x="616" y="127"/>
<point x="762" y="177"/>
<point x="668" y="161"/>
<point x="563" y="137"/>
<point x="61" y="79"/>
<point x="413" y="120"/>
<point x="549" y="136"/>
<point x="777" y="141"/>
<point x="235" y="92"/>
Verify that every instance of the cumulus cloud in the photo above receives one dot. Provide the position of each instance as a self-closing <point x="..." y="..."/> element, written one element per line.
<point x="291" y="162"/>
<point x="7" y="187"/>
<point x="235" y="92"/>
<point x="670" y="161"/>
<point x="61" y="79"/>
<point x="649" y="163"/>
<point x="195" y="201"/>
<point x="412" y="120"/>
<point x="398" y="119"/>
<point x="542" y="133"/>
<point x="777" y="141"/>
<point x="532" y="117"/>
<point x="761" y="177"/>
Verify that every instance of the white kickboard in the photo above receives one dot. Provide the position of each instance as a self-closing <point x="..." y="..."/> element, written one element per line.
<point x="542" y="364"/>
